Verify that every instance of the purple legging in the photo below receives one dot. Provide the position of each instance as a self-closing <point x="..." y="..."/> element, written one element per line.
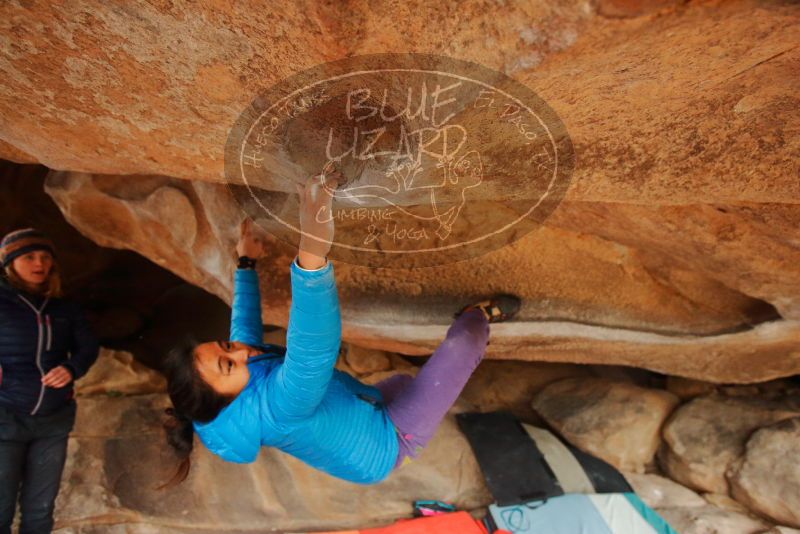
<point x="417" y="405"/>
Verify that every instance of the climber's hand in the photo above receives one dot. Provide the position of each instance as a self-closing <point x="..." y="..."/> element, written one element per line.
<point x="316" y="219"/>
<point x="251" y="241"/>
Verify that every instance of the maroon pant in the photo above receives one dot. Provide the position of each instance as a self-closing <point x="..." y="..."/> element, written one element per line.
<point x="417" y="405"/>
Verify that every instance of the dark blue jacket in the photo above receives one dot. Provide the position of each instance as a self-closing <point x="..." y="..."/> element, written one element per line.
<point x="38" y="334"/>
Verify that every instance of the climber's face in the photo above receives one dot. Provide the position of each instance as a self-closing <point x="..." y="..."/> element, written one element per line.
<point x="223" y="365"/>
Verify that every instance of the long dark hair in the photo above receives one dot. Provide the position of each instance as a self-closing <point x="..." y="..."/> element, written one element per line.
<point x="192" y="399"/>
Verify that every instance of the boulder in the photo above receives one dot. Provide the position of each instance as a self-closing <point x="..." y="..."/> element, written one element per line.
<point x="118" y="457"/>
<point x="494" y="385"/>
<point x="751" y="390"/>
<point x="704" y="436"/>
<point x="615" y="421"/>
<point x="648" y="131"/>
<point x="659" y="492"/>
<point x="767" y="478"/>
<point x="366" y="361"/>
<point x="711" y="520"/>
<point x="725" y="502"/>
<point x="686" y="388"/>
<point x="511" y="385"/>
<point x="372" y="365"/>
<point x="641" y="265"/>
<point x="12" y="153"/>
<point x="616" y="316"/>
<point x="117" y="373"/>
<point x="687" y="165"/>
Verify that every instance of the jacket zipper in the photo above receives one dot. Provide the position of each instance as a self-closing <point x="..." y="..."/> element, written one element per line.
<point x="49" y="331"/>
<point x="39" y="343"/>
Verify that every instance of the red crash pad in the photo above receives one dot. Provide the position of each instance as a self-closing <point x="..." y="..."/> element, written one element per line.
<point x="451" y="523"/>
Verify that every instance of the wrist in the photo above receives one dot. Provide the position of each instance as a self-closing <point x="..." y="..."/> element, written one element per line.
<point x="71" y="370"/>
<point x="246" y="262"/>
<point x="313" y="251"/>
<point x="310" y="262"/>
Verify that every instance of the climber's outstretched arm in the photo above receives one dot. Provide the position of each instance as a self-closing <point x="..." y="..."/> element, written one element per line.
<point x="314" y="331"/>
<point x="316" y="219"/>
<point x="312" y="344"/>
<point x="246" y="324"/>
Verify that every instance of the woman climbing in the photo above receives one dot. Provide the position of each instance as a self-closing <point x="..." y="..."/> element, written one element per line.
<point x="45" y="344"/>
<point x="240" y="395"/>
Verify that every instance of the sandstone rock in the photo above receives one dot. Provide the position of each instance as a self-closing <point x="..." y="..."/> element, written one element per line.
<point x="608" y="318"/>
<point x="12" y="153"/>
<point x="686" y="388"/>
<point x="678" y="240"/>
<point x="276" y="337"/>
<point x="781" y="388"/>
<point x="92" y="203"/>
<point x="711" y="520"/>
<point x="627" y="8"/>
<point x="372" y="365"/>
<point x="374" y="378"/>
<point x="704" y="436"/>
<point x="740" y="391"/>
<point x="646" y="291"/>
<point x="116" y="372"/>
<point x="131" y="527"/>
<point x="659" y="492"/>
<point x="511" y="385"/>
<point x="493" y="386"/>
<point x="615" y="421"/>
<point x="70" y="117"/>
<point x="641" y="266"/>
<point x="637" y="376"/>
<point x="118" y="417"/>
<point x="366" y="361"/>
<point x="118" y="456"/>
<point x="767" y="478"/>
<point x="725" y="502"/>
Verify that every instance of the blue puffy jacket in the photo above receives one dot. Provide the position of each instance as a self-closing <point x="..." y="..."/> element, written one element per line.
<point x="36" y="335"/>
<point x="299" y="403"/>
